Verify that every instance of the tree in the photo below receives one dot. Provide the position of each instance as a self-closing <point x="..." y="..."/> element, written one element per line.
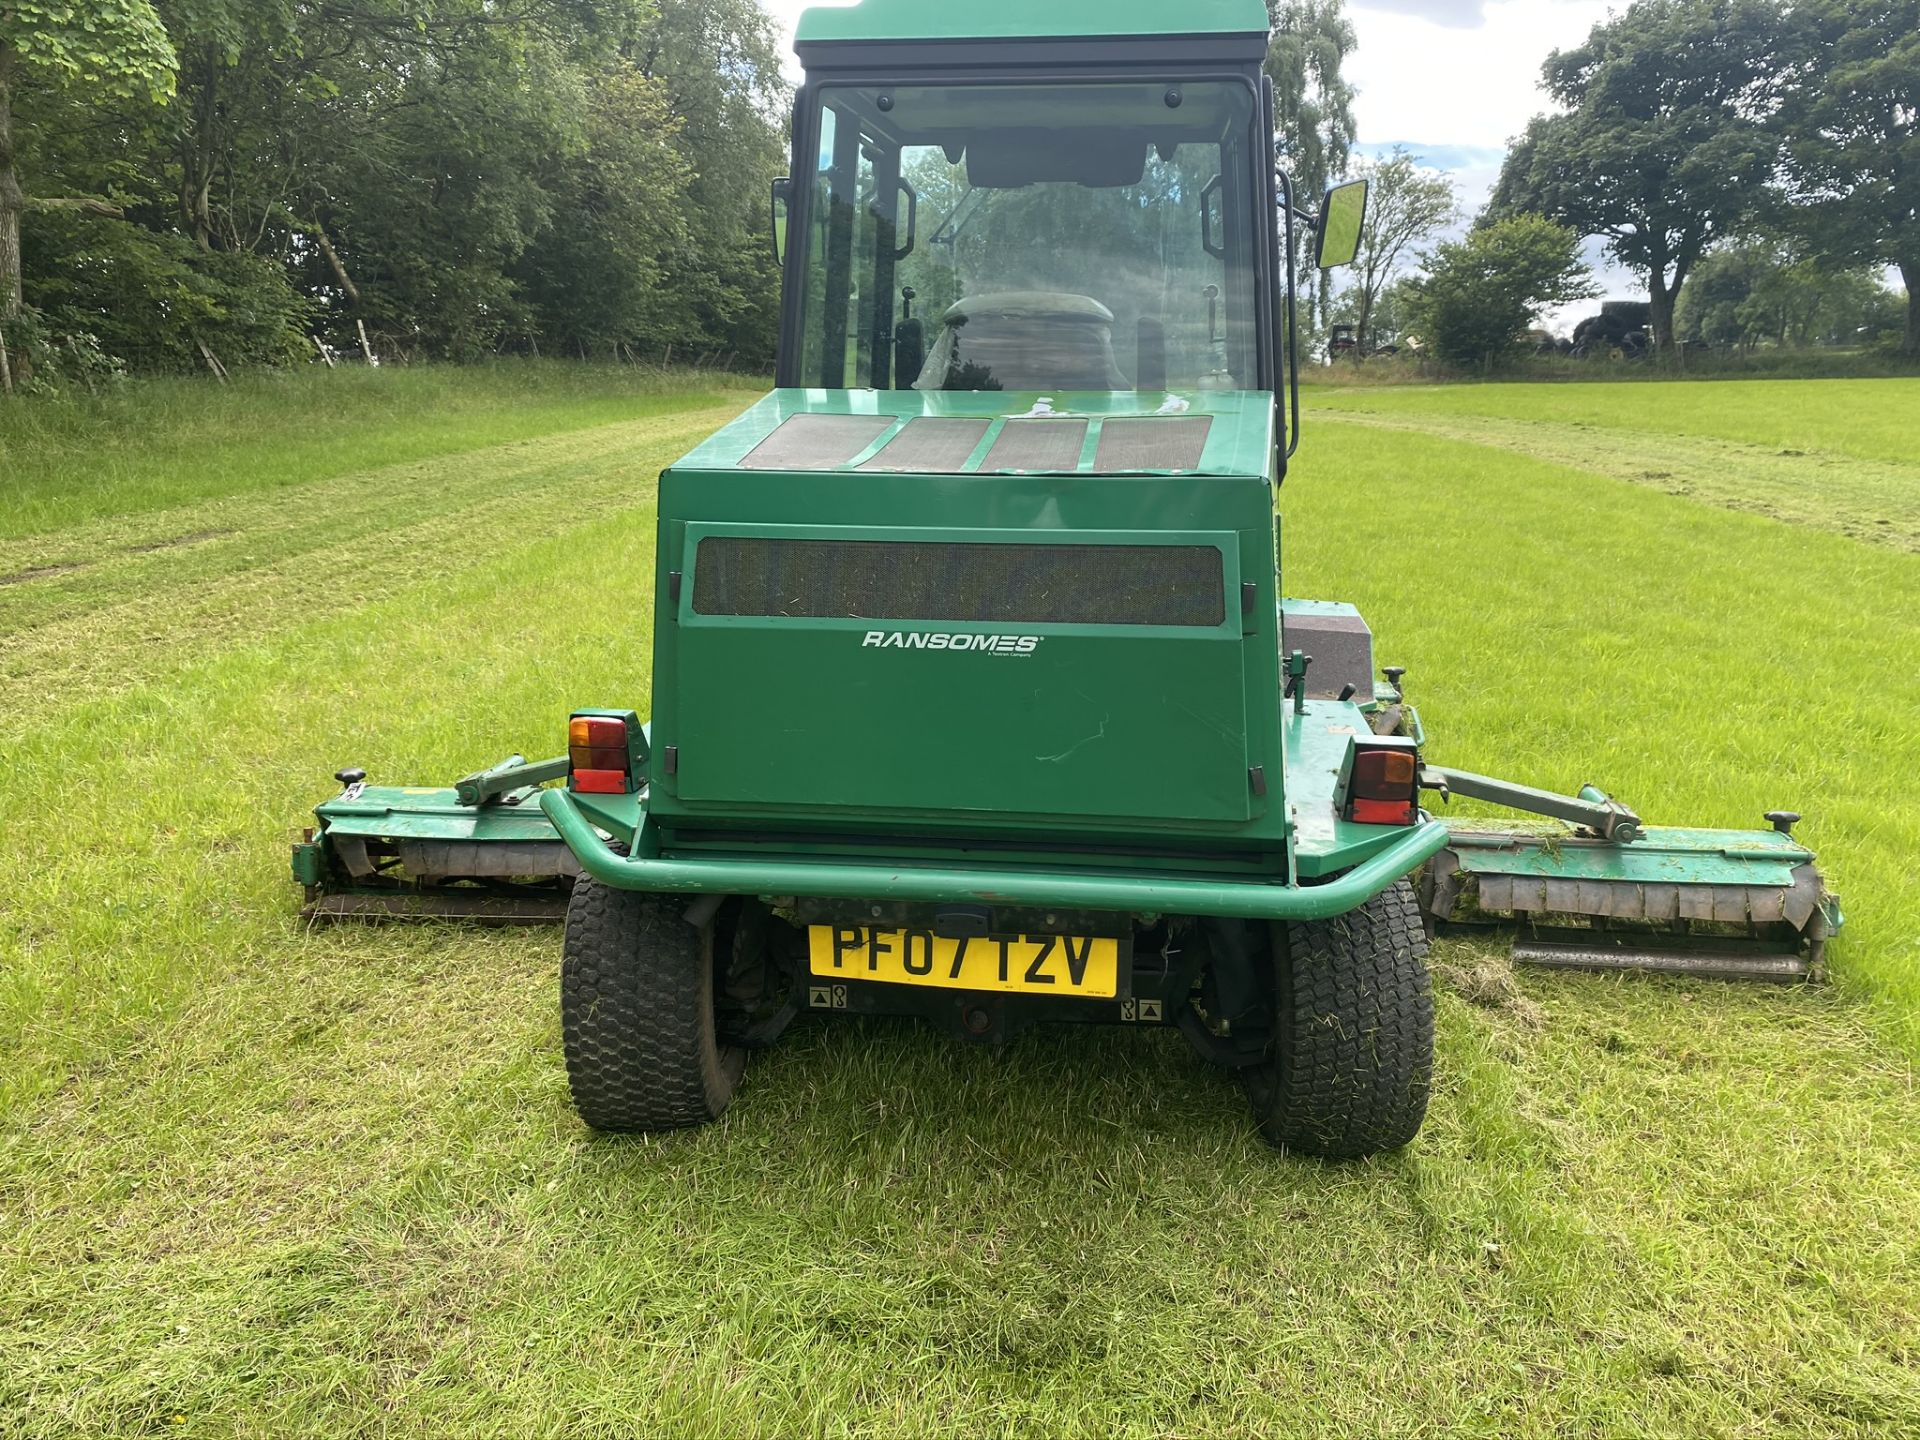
<point x="721" y="63"/>
<point x="1313" y="103"/>
<point x="118" y="47"/>
<point x="1665" y="143"/>
<point x="1852" y="120"/>
<point x="1759" y="292"/>
<point x="594" y="277"/>
<point x="456" y="176"/>
<point x="1479" y="296"/>
<point x="1407" y="206"/>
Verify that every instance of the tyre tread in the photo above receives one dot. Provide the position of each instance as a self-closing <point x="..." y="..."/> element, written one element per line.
<point x="636" y="1010"/>
<point x="1354" y="1044"/>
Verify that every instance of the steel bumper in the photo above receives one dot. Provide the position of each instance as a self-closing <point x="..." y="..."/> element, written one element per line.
<point x="854" y="880"/>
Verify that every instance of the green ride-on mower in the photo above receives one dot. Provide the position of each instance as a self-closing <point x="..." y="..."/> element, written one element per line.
<point x="975" y="696"/>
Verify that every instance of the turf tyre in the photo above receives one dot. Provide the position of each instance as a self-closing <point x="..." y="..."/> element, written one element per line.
<point x="637" y="1014"/>
<point x="1352" y="1060"/>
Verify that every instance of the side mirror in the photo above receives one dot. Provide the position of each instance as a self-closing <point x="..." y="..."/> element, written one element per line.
<point x="1342" y="219"/>
<point x="782" y="195"/>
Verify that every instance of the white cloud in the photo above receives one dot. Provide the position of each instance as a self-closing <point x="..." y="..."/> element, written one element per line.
<point x="1457" y="13"/>
<point x="1428" y="74"/>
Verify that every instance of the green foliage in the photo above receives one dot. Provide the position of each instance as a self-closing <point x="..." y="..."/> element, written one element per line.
<point x="153" y="298"/>
<point x="49" y="360"/>
<point x="457" y="178"/>
<point x="596" y="275"/>
<point x="118" y="47"/>
<point x="1478" y="296"/>
<point x="1757" y="292"/>
<point x="1406" y="206"/>
<point x="721" y="64"/>
<point x="1313" y="103"/>
<point x="1664" y="143"/>
<point x="1852" y="124"/>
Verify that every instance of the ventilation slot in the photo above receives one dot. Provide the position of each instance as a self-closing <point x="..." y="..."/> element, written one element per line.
<point x="816" y="442"/>
<point x="930" y="445"/>
<point x="1152" y="444"/>
<point x="1180" y="585"/>
<point x="1038" y="445"/>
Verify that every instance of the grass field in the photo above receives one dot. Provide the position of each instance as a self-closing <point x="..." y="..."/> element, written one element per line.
<point x="261" y="1181"/>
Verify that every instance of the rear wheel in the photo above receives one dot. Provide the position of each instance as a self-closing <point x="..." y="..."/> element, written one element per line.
<point x="637" y="1014"/>
<point x="1352" y="1050"/>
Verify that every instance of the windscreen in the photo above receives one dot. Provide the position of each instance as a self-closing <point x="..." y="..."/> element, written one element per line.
<point x="1093" y="236"/>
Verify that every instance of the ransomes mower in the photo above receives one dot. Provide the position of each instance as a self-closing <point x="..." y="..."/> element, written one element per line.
<point x="975" y="693"/>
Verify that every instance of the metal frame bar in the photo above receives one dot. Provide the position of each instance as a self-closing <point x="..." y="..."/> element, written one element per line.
<point x="514" y="773"/>
<point x="1290" y="421"/>
<point x="646" y="869"/>
<point x="1605" y="816"/>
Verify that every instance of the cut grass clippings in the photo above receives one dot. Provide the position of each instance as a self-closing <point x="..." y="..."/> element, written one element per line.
<point x="262" y="1180"/>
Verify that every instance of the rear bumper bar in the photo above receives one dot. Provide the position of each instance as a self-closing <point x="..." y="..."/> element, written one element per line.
<point x="856" y="880"/>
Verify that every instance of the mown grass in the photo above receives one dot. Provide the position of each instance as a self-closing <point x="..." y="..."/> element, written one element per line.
<point x="1424" y="370"/>
<point x="1865" y="419"/>
<point x="264" y="1181"/>
<point x="156" y="443"/>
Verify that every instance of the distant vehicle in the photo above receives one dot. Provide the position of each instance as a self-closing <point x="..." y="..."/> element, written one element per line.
<point x="1345" y="340"/>
<point x="1623" y="330"/>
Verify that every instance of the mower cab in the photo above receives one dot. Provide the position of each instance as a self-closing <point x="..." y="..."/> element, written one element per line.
<point x="975" y="693"/>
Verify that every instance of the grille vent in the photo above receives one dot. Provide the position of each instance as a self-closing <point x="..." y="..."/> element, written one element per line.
<point x="975" y="583"/>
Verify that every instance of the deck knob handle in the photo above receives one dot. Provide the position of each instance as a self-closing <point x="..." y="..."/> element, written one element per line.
<point x="1394" y="674"/>
<point x="1782" y="820"/>
<point x="350" y="778"/>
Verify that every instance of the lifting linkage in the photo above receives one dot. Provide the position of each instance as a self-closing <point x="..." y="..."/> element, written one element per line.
<point x="1592" y="808"/>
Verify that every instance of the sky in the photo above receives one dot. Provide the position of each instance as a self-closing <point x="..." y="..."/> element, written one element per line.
<point x="1450" y="80"/>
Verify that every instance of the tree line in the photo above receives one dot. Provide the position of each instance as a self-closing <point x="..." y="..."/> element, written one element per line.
<point x="201" y="183"/>
<point x="205" y="183"/>
<point x="1756" y="163"/>
<point x="1689" y="129"/>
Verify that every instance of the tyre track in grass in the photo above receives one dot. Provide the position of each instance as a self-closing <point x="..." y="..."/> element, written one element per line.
<point x="129" y="601"/>
<point x="1874" y="501"/>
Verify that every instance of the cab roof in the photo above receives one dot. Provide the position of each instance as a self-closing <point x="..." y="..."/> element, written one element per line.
<point x="1024" y="19"/>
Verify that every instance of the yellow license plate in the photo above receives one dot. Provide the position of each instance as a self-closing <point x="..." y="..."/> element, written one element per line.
<point x="1087" y="967"/>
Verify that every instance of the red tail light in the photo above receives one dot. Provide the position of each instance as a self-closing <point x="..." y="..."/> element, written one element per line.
<point x="1383" y="786"/>
<point x="600" y="754"/>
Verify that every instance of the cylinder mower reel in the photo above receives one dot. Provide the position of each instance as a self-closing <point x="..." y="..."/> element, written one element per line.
<point x="1717" y="904"/>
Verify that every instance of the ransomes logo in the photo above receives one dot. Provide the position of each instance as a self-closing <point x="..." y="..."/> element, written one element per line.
<point x="956" y="644"/>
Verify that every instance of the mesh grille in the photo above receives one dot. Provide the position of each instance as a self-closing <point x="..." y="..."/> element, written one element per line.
<point x="816" y="442"/>
<point x="974" y="583"/>
<point x="1170" y="444"/>
<point x="1038" y="445"/>
<point x="930" y="445"/>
